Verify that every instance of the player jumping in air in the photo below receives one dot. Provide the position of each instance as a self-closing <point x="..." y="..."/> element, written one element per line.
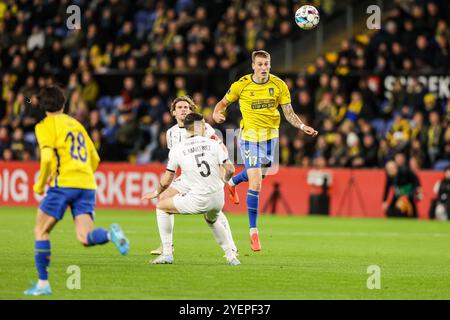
<point x="259" y="94"/>
<point x="200" y="160"/>
<point x="69" y="159"/>
<point x="180" y="108"/>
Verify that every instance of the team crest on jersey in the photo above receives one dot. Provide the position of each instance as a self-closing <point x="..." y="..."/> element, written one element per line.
<point x="271" y="92"/>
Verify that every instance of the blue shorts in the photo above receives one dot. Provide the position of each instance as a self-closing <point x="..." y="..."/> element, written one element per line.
<point x="258" y="154"/>
<point x="57" y="200"/>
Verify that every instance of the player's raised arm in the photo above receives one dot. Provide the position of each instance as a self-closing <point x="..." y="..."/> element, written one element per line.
<point x="231" y="96"/>
<point x="296" y="121"/>
<point x="219" y="110"/>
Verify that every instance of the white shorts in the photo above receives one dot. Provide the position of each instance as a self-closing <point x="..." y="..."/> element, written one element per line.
<point x="211" y="204"/>
<point x="180" y="184"/>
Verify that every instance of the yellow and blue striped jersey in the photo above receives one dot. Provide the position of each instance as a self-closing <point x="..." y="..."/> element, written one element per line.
<point x="75" y="158"/>
<point x="259" y="103"/>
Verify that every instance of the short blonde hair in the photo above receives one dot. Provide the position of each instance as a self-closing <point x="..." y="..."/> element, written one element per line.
<point x="260" y="53"/>
<point x="187" y="99"/>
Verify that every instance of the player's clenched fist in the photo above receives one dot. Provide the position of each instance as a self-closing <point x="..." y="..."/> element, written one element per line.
<point x="218" y="117"/>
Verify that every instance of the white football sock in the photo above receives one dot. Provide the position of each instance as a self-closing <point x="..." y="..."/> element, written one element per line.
<point x="165" y="226"/>
<point x="224" y="221"/>
<point x="220" y="234"/>
<point x="253" y="230"/>
<point x="42" y="283"/>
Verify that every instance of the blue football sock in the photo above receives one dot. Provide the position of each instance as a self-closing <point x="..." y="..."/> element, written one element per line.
<point x="252" y="207"/>
<point x="97" y="236"/>
<point x="42" y="258"/>
<point x="240" y="177"/>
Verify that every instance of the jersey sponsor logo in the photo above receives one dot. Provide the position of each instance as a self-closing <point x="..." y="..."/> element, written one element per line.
<point x="252" y="94"/>
<point x="263" y="104"/>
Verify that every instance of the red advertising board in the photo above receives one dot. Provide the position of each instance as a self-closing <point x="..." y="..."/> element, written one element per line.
<point x="352" y="192"/>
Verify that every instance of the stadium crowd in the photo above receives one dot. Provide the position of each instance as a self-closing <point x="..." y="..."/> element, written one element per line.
<point x="358" y="126"/>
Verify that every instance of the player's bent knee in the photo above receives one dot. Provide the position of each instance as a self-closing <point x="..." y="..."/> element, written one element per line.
<point x="41" y="233"/>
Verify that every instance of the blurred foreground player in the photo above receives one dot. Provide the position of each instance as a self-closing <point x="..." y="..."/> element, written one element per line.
<point x="68" y="160"/>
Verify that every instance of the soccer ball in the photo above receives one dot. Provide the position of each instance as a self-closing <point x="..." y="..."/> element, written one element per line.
<point x="307" y="17"/>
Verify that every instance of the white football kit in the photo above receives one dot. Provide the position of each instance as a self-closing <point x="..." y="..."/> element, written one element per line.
<point x="199" y="159"/>
<point x="176" y="135"/>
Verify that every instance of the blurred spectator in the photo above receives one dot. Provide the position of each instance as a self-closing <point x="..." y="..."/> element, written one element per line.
<point x="94" y="121"/>
<point x="370" y="150"/>
<point x="434" y="133"/>
<point x="162" y="152"/>
<point x="78" y="107"/>
<point x="18" y="144"/>
<point x="5" y="140"/>
<point x="355" y="106"/>
<point x="109" y="133"/>
<point x="404" y="184"/>
<point x="7" y="155"/>
<point x="338" y="153"/>
<point x="395" y="102"/>
<point x="440" y="206"/>
<point x="90" y="89"/>
<point x="128" y="135"/>
<point x="285" y="152"/>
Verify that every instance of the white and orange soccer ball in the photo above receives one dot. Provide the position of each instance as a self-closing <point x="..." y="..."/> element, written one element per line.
<point x="307" y="17"/>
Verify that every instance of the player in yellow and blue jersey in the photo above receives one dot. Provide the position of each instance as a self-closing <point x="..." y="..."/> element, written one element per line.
<point x="259" y="95"/>
<point x="68" y="162"/>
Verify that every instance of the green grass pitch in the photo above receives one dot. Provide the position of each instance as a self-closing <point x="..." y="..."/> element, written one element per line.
<point x="302" y="258"/>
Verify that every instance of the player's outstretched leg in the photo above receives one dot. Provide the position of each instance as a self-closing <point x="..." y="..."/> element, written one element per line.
<point x="88" y="236"/>
<point x="165" y="226"/>
<point x="222" y="218"/>
<point x="119" y="239"/>
<point x="101" y="236"/>
<point x="234" y="181"/>
<point x="252" y="208"/>
<point x="222" y="238"/>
